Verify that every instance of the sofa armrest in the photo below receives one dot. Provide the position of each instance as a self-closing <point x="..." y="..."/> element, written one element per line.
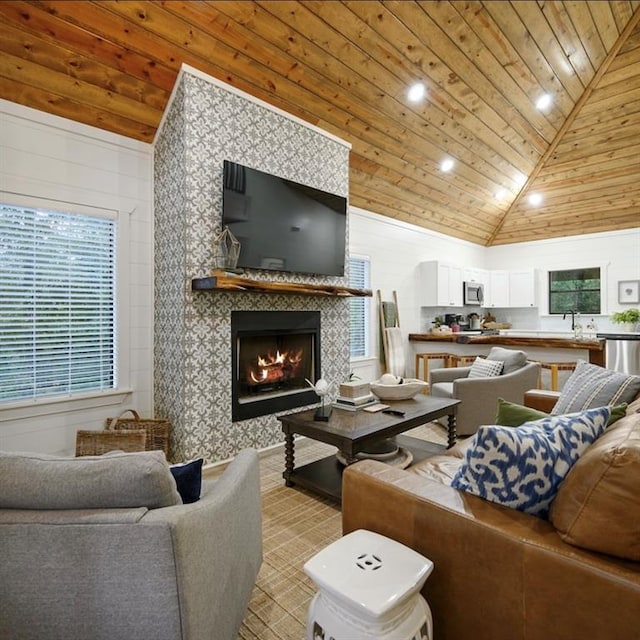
<point x="541" y="399"/>
<point x="173" y="573"/>
<point x="498" y="573"/>
<point x="448" y="374"/>
<point x="218" y="549"/>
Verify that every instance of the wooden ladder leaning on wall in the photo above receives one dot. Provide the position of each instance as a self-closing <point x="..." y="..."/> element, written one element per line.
<point x="391" y="339"/>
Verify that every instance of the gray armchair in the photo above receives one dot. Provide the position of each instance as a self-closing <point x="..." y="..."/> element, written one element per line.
<point x="164" y="571"/>
<point x="479" y="396"/>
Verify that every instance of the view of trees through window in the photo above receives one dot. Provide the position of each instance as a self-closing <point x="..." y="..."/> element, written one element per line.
<point x="57" y="303"/>
<point x="574" y="289"/>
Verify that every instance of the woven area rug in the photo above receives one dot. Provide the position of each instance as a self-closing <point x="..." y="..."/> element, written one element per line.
<point x="296" y="525"/>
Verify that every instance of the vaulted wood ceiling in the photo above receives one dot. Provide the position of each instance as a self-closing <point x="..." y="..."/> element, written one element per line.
<point x="346" y="67"/>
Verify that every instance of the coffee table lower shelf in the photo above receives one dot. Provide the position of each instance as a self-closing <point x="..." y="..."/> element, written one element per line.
<point x="324" y="476"/>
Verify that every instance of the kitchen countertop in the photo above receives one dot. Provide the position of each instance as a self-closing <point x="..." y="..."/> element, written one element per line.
<point x="622" y="335"/>
<point x="487" y="338"/>
<point x="596" y="348"/>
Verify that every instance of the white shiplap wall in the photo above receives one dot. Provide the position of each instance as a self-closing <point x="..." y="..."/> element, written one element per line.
<point x="395" y="250"/>
<point x="47" y="161"/>
<point x="617" y="253"/>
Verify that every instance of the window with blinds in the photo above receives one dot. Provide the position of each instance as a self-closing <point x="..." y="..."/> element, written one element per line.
<point x="359" y="308"/>
<point x="57" y="303"/>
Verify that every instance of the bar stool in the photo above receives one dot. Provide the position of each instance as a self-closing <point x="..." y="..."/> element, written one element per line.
<point x="458" y="360"/>
<point x="554" y="367"/>
<point x="425" y="357"/>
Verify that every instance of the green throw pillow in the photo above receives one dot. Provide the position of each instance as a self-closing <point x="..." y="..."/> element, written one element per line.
<point x="617" y="412"/>
<point x="511" y="414"/>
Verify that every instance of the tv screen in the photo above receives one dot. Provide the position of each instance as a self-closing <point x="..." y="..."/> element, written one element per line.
<point x="282" y="225"/>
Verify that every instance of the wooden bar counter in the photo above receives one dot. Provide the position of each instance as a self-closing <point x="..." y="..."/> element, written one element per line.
<point x="595" y="348"/>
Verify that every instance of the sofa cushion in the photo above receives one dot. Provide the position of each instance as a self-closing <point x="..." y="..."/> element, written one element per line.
<point x="440" y="468"/>
<point x="484" y="368"/>
<point x="522" y="467"/>
<point x="188" y="477"/>
<point x="593" y="386"/>
<point x="116" y="480"/>
<point x="598" y="504"/>
<point x="512" y="360"/>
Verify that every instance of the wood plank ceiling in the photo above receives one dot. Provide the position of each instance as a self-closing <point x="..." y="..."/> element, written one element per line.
<point x="346" y="67"/>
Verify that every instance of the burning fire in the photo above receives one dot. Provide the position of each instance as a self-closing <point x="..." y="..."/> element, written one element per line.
<point x="272" y="368"/>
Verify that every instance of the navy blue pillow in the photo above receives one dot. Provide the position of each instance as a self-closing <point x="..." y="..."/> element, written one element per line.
<point x="188" y="477"/>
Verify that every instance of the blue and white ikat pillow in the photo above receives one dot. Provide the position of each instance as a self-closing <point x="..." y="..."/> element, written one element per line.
<point x="522" y="467"/>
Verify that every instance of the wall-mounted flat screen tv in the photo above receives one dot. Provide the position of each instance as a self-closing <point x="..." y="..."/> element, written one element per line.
<point x="282" y="225"/>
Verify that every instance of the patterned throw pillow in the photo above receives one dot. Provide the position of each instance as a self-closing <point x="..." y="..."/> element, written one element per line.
<point x="482" y="368"/>
<point x="593" y="386"/>
<point x="522" y="467"/>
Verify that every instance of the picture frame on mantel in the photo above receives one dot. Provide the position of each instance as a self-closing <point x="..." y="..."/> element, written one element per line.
<point x="629" y="291"/>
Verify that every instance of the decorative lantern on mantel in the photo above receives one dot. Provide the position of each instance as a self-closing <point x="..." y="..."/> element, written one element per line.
<point x="226" y="250"/>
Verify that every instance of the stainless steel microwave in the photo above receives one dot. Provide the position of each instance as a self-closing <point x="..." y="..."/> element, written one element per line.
<point x="473" y="293"/>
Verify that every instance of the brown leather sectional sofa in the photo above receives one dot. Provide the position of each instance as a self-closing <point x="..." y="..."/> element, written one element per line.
<point x="501" y="574"/>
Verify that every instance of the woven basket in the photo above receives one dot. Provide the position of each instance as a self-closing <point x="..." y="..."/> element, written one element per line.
<point x="95" y="443"/>
<point x="157" y="430"/>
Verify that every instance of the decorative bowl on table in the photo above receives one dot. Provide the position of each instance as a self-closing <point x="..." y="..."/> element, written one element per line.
<point x="391" y="387"/>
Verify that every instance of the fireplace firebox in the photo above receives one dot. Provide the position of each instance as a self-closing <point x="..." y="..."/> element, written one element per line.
<point x="274" y="354"/>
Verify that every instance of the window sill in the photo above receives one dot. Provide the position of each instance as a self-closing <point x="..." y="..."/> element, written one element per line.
<point x="61" y="404"/>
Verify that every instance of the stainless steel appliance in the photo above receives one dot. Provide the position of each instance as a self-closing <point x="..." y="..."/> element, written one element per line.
<point x="450" y="319"/>
<point x="474" y="321"/>
<point x="473" y="293"/>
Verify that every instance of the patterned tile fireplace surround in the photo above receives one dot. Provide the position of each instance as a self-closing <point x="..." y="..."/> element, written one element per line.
<point x="207" y="122"/>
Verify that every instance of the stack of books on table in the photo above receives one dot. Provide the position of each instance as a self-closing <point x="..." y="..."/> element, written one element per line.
<point x="355" y="403"/>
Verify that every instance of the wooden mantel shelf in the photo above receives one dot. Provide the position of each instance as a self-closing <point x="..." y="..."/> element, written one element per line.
<point x="223" y="281"/>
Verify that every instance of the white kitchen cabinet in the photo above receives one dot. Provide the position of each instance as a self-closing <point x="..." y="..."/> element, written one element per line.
<point x="477" y="276"/>
<point x="522" y="288"/>
<point x="496" y="293"/>
<point x="441" y="284"/>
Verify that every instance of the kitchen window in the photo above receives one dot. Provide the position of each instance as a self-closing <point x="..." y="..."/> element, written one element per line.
<point x="359" y="308"/>
<point x="57" y="303"/>
<point x="575" y="289"/>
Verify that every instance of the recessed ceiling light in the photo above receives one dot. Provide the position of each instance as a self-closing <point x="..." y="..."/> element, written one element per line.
<point x="543" y="101"/>
<point x="447" y="164"/>
<point x="500" y="194"/>
<point x="535" y="199"/>
<point x="417" y="92"/>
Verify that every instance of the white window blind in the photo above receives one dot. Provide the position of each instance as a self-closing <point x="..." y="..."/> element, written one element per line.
<point x="57" y="303"/>
<point x="359" y="311"/>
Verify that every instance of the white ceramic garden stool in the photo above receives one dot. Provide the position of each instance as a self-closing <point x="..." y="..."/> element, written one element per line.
<point x="369" y="587"/>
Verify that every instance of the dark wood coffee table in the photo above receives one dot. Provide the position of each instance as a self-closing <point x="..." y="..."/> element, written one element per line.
<point x="354" y="431"/>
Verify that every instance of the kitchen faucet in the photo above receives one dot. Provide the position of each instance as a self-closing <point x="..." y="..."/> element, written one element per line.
<point x="573" y="318"/>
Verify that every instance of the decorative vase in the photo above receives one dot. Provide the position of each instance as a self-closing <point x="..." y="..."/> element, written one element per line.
<point x="226" y="250"/>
